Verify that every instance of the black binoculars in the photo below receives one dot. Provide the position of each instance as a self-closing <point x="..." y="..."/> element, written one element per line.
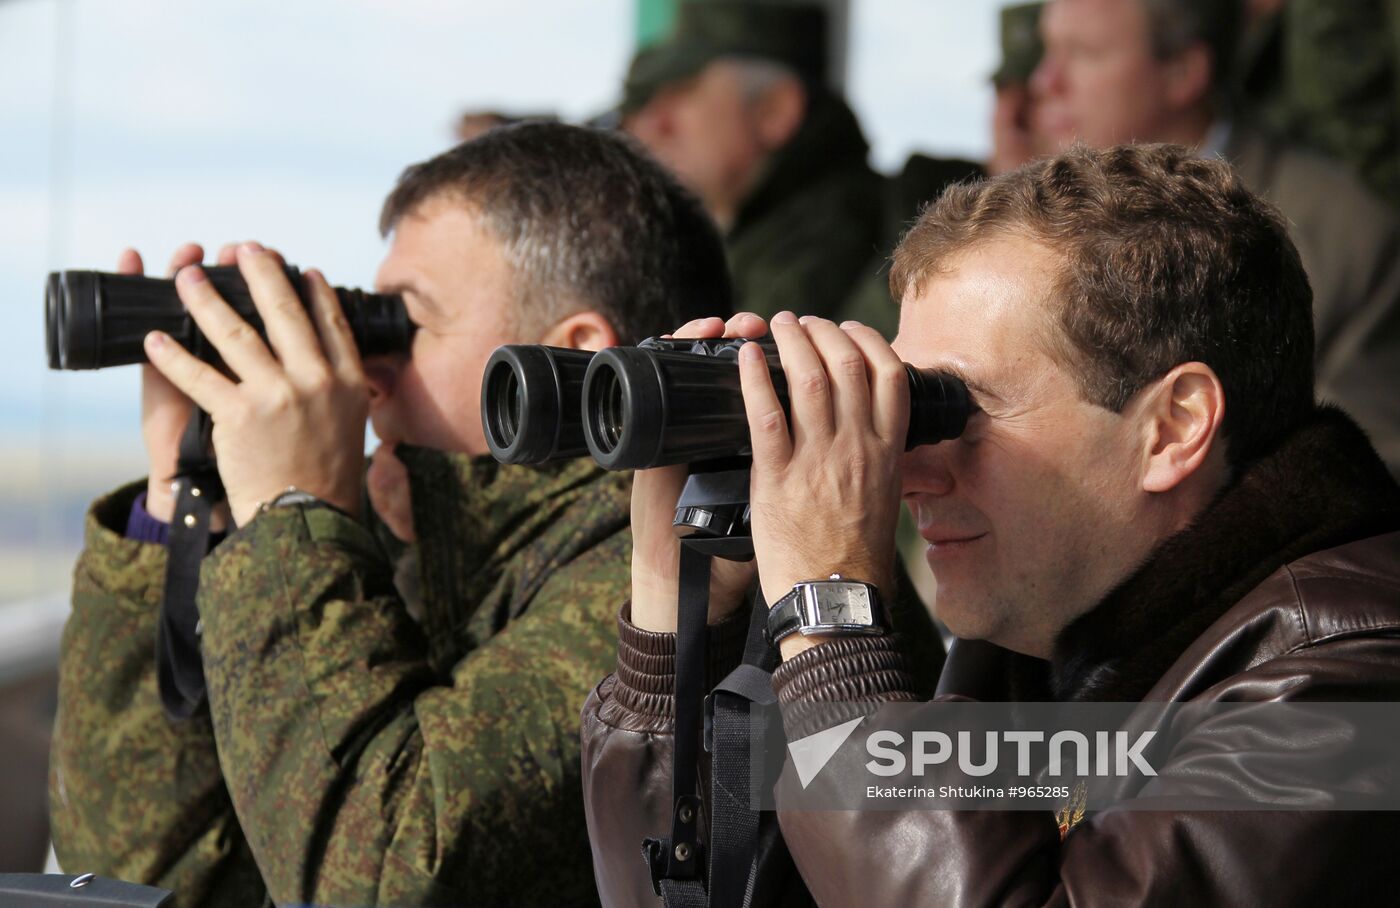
<point x="661" y="402"/>
<point x="95" y="319"/>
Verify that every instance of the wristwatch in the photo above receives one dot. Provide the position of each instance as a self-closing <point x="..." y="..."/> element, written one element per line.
<point x="831" y="607"/>
<point x="292" y="496"/>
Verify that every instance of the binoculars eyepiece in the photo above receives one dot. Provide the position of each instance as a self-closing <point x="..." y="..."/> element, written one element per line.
<point x="96" y="319"/>
<point x="530" y="403"/>
<point x="661" y="402"/>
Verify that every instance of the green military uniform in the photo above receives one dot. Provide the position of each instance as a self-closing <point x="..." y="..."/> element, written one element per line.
<point x="806" y="236"/>
<point x="133" y="795"/>
<point x="1327" y="73"/>
<point x="369" y="758"/>
<point x="1342" y="72"/>
<point x="1021" y="44"/>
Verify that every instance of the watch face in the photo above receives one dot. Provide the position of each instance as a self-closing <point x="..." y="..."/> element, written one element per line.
<point x="845" y="604"/>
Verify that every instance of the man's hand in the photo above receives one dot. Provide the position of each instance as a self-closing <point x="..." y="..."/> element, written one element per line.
<point x="655" y="549"/>
<point x="390" y="493"/>
<point x="164" y="410"/>
<point x="296" y="414"/>
<point x="825" y="496"/>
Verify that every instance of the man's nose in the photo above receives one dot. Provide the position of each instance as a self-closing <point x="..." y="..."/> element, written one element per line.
<point x="926" y="469"/>
<point x="1048" y="77"/>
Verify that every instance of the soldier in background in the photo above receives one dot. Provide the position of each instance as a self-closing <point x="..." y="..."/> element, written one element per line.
<point x="351" y="754"/>
<point x="1159" y="71"/>
<point x="736" y="102"/>
<point x="1014" y="139"/>
<point x="1328" y="75"/>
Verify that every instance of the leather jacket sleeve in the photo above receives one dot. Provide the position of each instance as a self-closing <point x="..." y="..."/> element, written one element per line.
<point x="627" y="747"/>
<point x="1115" y="857"/>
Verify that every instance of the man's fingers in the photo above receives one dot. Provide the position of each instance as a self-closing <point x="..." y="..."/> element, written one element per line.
<point x="188" y="254"/>
<point x="809" y="387"/>
<point x="238" y="344"/>
<point x="199" y="381"/>
<point x="745" y="324"/>
<point x="846" y="371"/>
<point x="889" y="384"/>
<point x="768" y="432"/>
<point x="228" y="254"/>
<point x="289" y="329"/>
<point x="332" y="325"/>
<point x="390" y="494"/>
<point x="700" y="327"/>
<point x="129" y="262"/>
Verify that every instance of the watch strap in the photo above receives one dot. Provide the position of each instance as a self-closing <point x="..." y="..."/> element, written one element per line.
<point x="785" y="617"/>
<point x="802" y="609"/>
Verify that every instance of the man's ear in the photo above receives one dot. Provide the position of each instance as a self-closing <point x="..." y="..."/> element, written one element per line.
<point x="1189" y="76"/>
<point x="780" y="112"/>
<point x="1184" y="412"/>
<point x="587" y="330"/>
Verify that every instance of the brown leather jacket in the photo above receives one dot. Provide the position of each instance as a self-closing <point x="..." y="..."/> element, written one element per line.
<point x="1287" y="588"/>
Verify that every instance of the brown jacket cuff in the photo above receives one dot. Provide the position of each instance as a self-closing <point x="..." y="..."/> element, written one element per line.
<point x="847" y="669"/>
<point x="646" y="662"/>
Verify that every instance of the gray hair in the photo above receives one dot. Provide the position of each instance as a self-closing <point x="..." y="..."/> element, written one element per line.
<point x="1175" y="25"/>
<point x="758" y="74"/>
<point x="588" y="221"/>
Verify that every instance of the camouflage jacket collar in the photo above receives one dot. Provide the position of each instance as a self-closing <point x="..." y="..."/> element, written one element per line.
<point x="491" y="534"/>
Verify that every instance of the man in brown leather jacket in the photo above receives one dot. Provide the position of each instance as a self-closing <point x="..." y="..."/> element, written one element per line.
<point x="1148" y="505"/>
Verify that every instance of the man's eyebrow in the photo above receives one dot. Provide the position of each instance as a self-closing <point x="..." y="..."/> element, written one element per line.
<point x="419" y="295"/>
<point x="973" y="385"/>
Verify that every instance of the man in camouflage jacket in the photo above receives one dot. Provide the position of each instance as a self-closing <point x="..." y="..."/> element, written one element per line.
<point x="353" y="754"/>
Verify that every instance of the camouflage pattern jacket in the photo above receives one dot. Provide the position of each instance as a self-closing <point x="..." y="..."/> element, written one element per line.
<point x="369" y="758"/>
<point x="1328" y="75"/>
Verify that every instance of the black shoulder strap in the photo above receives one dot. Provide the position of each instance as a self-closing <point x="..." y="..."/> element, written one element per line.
<point x="179" y="665"/>
<point x="747" y="861"/>
<point x="734" y="815"/>
<point x="675" y="862"/>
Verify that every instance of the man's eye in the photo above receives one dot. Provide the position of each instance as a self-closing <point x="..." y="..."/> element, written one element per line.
<point x="977" y="422"/>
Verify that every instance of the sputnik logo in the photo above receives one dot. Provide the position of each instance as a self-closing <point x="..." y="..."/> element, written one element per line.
<point x="811" y="754"/>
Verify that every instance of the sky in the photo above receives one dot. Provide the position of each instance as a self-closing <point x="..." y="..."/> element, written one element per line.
<point x="148" y="123"/>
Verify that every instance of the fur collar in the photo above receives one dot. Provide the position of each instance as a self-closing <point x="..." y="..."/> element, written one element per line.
<point x="1323" y="486"/>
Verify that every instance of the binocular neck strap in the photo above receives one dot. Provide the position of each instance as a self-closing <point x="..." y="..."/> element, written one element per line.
<point x="198" y="489"/>
<point x="683" y="860"/>
<point x="739" y="848"/>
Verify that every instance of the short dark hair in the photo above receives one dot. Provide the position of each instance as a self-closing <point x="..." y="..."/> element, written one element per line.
<point x="1167" y="258"/>
<point x="1175" y="25"/>
<point x="587" y="220"/>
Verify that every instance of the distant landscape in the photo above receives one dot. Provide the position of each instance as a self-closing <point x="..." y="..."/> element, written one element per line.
<point x="43" y="498"/>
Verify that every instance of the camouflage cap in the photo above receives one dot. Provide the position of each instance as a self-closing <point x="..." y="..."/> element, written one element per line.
<point x="1021" y="46"/>
<point x="793" y="34"/>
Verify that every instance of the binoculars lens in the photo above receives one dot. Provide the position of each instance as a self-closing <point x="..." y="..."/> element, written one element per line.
<point x="661" y="402"/>
<point x="530" y="403"/>
<point x="606" y="411"/>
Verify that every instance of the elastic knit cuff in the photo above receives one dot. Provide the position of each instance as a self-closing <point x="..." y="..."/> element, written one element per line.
<point x="847" y="669"/>
<point x="142" y="527"/>
<point x="646" y="662"/>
